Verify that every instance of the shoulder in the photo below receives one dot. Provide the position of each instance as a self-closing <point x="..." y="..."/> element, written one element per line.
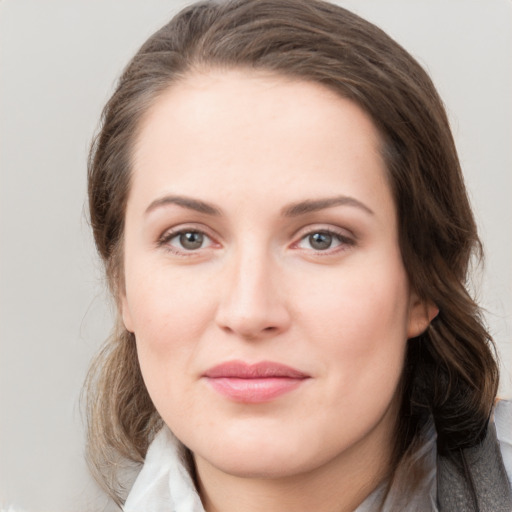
<point x="481" y="473"/>
<point x="503" y="422"/>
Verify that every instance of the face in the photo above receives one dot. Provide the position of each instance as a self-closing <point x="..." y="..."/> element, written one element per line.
<point x="263" y="276"/>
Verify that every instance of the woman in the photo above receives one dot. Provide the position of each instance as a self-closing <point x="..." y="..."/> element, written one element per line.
<point x="278" y="201"/>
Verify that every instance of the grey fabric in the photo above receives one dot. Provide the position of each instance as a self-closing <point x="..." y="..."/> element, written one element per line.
<point x="486" y="470"/>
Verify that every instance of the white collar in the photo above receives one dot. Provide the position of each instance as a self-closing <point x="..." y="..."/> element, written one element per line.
<point x="164" y="482"/>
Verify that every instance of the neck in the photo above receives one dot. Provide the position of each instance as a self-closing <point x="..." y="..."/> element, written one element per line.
<point x="340" y="485"/>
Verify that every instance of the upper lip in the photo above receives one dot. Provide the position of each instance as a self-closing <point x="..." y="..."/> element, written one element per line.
<point x="261" y="370"/>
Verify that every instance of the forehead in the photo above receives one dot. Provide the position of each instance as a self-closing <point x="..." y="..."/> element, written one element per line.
<point x="256" y="131"/>
<point x="244" y="98"/>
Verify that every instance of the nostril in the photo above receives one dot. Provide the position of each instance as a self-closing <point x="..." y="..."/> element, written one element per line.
<point x="251" y="319"/>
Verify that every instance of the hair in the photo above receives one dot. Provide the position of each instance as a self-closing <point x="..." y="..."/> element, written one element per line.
<point x="450" y="371"/>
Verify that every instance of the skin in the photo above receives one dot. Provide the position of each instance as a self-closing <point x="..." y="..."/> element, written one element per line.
<point x="257" y="288"/>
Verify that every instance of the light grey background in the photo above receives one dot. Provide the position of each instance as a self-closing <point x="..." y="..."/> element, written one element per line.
<point x="58" y="63"/>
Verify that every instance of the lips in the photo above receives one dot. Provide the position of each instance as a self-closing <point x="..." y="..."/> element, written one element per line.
<point x="253" y="383"/>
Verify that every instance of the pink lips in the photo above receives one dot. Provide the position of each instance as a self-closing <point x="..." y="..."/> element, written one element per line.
<point x="253" y="383"/>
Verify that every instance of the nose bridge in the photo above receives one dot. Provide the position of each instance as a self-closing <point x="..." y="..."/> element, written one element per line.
<point x="251" y="304"/>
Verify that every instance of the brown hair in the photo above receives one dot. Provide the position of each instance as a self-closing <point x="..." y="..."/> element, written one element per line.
<point x="450" y="371"/>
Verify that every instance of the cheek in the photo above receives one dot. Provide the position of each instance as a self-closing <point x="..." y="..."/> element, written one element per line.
<point x="167" y="307"/>
<point x="358" y="302"/>
<point x="169" y="315"/>
<point x="167" y="338"/>
<point x="359" y="322"/>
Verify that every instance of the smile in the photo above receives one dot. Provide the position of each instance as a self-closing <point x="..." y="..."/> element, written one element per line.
<point x="253" y="383"/>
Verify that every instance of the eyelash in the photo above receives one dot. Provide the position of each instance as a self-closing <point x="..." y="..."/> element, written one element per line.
<point x="345" y="242"/>
<point x="165" y="239"/>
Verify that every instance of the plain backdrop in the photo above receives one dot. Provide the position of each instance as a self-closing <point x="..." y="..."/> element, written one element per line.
<point x="58" y="63"/>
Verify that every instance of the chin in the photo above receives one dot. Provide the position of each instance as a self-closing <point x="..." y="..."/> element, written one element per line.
<point x="263" y="456"/>
<point x="259" y="465"/>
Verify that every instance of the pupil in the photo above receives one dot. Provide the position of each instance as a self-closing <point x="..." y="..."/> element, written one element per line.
<point x="320" y="241"/>
<point x="192" y="240"/>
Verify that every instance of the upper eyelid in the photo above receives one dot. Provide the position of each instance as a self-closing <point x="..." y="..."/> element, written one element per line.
<point x="187" y="227"/>
<point x="327" y="228"/>
<point x="296" y="237"/>
<point x="163" y="241"/>
<point x="346" y="240"/>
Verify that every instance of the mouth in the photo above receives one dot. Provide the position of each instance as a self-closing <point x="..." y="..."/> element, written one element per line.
<point x="253" y="383"/>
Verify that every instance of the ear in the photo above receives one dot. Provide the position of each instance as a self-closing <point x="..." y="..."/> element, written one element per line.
<point x="421" y="313"/>
<point x="126" y="313"/>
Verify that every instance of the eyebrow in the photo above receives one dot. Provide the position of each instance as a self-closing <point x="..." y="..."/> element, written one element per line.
<point x="313" y="205"/>
<point x="293" y="210"/>
<point x="184" y="202"/>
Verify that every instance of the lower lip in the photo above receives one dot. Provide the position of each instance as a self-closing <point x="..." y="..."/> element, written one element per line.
<point x="253" y="391"/>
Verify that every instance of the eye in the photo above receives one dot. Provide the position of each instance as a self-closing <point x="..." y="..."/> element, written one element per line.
<point x="320" y="241"/>
<point x="323" y="240"/>
<point x="187" y="240"/>
<point x="191" y="240"/>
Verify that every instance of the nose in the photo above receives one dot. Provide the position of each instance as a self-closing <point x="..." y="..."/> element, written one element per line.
<point x="253" y="303"/>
